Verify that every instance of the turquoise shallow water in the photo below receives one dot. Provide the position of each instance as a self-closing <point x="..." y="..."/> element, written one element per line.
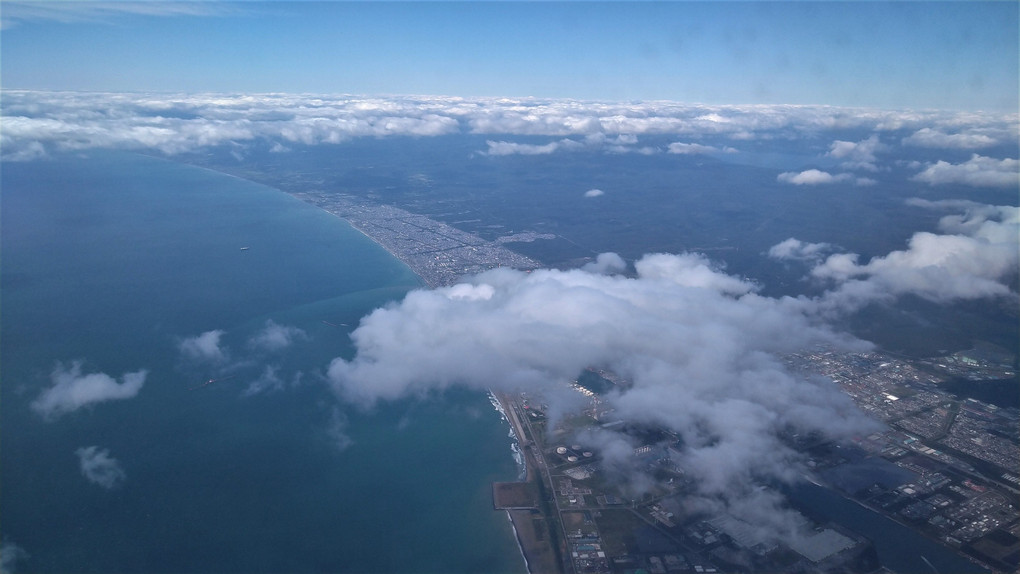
<point x="113" y="260"/>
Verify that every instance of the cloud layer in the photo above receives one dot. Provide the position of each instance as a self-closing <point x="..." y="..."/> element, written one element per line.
<point x="72" y="390"/>
<point x="36" y="123"/>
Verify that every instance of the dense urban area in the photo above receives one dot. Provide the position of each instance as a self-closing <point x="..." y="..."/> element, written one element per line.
<point x="948" y="471"/>
<point x="438" y="253"/>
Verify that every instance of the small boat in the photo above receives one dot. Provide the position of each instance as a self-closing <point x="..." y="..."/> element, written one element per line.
<point x="245" y="248"/>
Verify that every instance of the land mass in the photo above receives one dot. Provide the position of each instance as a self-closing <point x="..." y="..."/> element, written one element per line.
<point x="944" y="469"/>
<point x="438" y="253"/>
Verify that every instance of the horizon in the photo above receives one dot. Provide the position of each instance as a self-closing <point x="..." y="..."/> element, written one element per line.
<point x="881" y="55"/>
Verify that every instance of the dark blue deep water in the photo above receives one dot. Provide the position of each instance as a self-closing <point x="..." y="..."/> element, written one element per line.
<point x="113" y="260"/>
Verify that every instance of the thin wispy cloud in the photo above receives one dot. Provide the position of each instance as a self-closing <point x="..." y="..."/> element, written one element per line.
<point x="15" y="12"/>
<point x="694" y="148"/>
<point x="10" y="555"/>
<point x="100" y="468"/>
<point x="275" y="337"/>
<point x="205" y="347"/>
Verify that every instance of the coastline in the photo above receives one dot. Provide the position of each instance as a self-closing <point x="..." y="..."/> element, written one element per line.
<point x="443" y="267"/>
<point x="530" y="523"/>
<point x="439" y="254"/>
<point x="529" y="532"/>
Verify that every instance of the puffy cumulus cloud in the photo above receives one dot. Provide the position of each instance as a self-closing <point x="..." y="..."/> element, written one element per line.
<point x="693" y="148"/>
<point x="691" y="270"/>
<point x="699" y="349"/>
<point x="859" y="155"/>
<point x="978" y="171"/>
<point x="606" y="264"/>
<point x="100" y="468"/>
<point x="974" y="258"/>
<point x="594" y="193"/>
<point x="72" y="390"/>
<point x="205" y="347"/>
<point x="796" y="249"/>
<point x="272" y="337"/>
<point x="933" y="138"/>
<point x="812" y="177"/>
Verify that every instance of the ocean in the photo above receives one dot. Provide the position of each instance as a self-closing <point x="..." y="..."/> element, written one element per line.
<point x="112" y="262"/>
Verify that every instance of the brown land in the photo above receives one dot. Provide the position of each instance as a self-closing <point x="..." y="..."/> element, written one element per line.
<point x="530" y="523"/>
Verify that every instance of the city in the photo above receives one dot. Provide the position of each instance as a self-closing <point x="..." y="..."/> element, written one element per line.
<point x="934" y="491"/>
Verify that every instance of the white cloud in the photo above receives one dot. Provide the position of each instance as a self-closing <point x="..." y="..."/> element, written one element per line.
<point x="32" y="150"/>
<point x="594" y="193"/>
<point x="100" y="468"/>
<point x="691" y="270"/>
<point x="699" y="347"/>
<point x="178" y="123"/>
<point x="693" y="148"/>
<point x="932" y="138"/>
<point x="204" y="347"/>
<point x="859" y="155"/>
<point x="799" y="250"/>
<point x="978" y="171"/>
<point x="72" y="390"/>
<point x="812" y="177"/>
<point x="606" y="264"/>
<point x="974" y="258"/>
<point x="275" y="337"/>
<point x="511" y="148"/>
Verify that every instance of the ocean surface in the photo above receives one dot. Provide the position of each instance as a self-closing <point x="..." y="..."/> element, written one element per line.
<point x="113" y="261"/>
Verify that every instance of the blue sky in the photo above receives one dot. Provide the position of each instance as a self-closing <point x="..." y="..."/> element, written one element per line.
<point x="959" y="56"/>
